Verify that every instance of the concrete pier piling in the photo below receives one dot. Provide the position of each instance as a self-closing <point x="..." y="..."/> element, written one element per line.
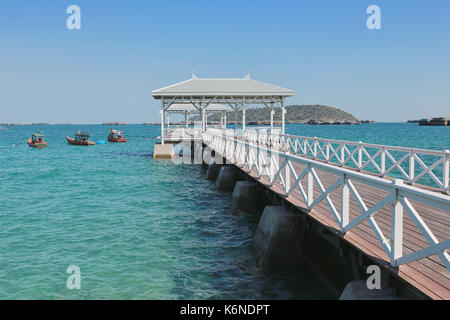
<point x="227" y="178"/>
<point x="245" y="198"/>
<point x="277" y="241"/>
<point x="213" y="171"/>
<point x="163" y="151"/>
<point x="358" y="290"/>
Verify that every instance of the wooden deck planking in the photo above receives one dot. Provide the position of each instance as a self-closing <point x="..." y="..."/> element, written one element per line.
<point x="428" y="275"/>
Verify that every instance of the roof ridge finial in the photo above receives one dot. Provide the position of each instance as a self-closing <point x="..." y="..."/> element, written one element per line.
<point x="247" y="77"/>
<point x="193" y="74"/>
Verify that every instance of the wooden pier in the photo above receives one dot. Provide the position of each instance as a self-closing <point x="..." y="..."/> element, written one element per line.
<point x="405" y="229"/>
<point x="385" y="214"/>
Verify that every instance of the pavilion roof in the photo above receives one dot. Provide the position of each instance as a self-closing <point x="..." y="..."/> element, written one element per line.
<point x="190" y="107"/>
<point x="222" y="87"/>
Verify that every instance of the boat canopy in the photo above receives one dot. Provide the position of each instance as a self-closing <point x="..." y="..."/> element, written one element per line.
<point x="82" y="134"/>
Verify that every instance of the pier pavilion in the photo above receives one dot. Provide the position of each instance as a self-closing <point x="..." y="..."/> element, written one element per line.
<point x="206" y="95"/>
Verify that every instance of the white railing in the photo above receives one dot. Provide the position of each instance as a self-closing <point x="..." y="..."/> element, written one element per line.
<point x="181" y="132"/>
<point x="279" y="166"/>
<point x="221" y="131"/>
<point x="265" y="129"/>
<point x="409" y="164"/>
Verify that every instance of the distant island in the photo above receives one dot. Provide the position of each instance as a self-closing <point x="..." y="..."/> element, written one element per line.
<point x="310" y="114"/>
<point x="441" y="121"/>
<point x="14" y="124"/>
<point x="114" y="124"/>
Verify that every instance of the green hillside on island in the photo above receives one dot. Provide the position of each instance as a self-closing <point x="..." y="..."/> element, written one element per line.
<point x="294" y="114"/>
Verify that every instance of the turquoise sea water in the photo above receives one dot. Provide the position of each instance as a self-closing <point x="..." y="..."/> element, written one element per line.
<point x="139" y="228"/>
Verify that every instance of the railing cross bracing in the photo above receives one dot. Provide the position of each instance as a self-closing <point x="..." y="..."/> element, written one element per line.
<point x="409" y="164"/>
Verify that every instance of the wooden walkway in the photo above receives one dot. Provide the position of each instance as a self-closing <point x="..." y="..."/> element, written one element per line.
<point x="429" y="275"/>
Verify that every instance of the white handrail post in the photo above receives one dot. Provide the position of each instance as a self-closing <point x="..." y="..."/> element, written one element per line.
<point x="342" y="154"/>
<point x="328" y="152"/>
<point x="315" y="147"/>
<point x="360" y="153"/>
<point x="270" y="168"/>
<point x="445" y="171"/>
<point x="287" y="180"/>
<point x="258" y="160"/>
<point x="227" y="150"/>
<point x="411" y="166"/>
<point x="396" y="224"/>
<point x="383" y="161"/>
<point x="246" y="152"/>
<point x="309" y="187"/>
<point x="345" y="202"/>
<point x="235" y="151"/>
<point x="224" y="149"/>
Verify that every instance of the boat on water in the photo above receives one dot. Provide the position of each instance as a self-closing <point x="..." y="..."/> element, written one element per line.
<point x="37" y="141"/>
<point x="81" y="139"/>
<point x="116" y="136"/>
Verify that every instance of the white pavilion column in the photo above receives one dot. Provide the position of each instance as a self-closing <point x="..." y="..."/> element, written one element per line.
<point x="186" y="114"/>
<point x="236" y="110"/>
<point x="225" y="119"/>
<point x="201" y="117"/>
<point x="243" y="119"/>
<point x="203" y="120"/>
<point x="271" y="116"/>
<point x="168" y="121"/>
<point x="162" y="125"/>
<point x="283" y="111"/>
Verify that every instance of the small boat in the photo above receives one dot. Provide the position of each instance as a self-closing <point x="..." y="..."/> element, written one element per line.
<point x="81" y="139"/>
<point x="116" y="136"/>
<point x="37" y="141"/>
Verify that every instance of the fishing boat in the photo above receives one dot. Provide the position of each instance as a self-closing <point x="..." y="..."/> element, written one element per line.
<point x="37" y="141"/>
<point x="116" y="136"/>
<point x="81" y="139"/>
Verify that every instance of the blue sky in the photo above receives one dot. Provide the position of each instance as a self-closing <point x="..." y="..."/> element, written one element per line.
<point x="322" y="49"/>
